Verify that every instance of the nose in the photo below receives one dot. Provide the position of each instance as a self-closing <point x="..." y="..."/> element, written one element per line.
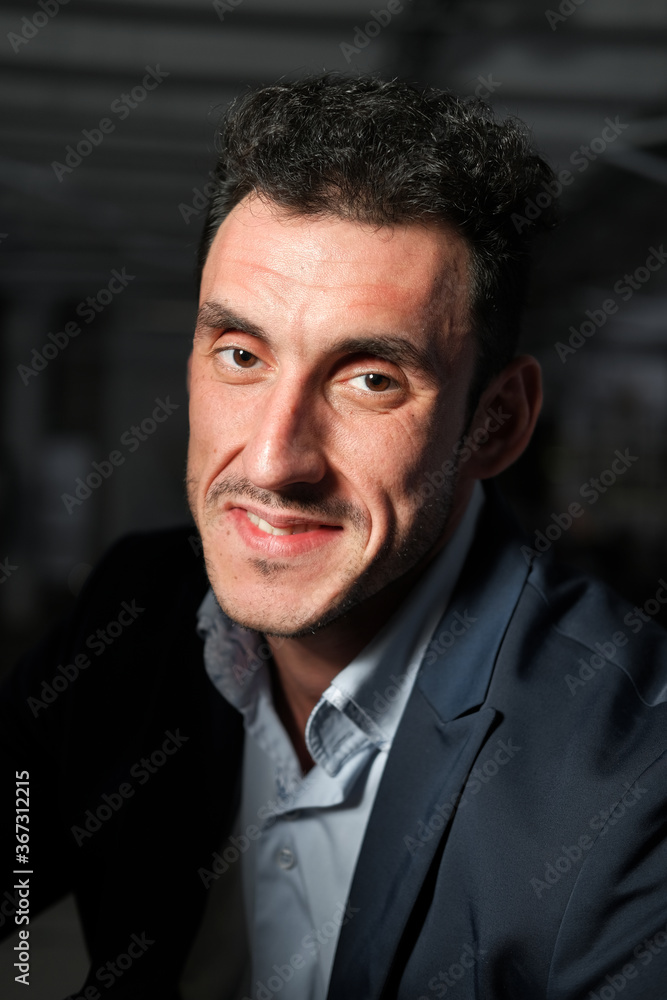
<point x="287" y="443"/>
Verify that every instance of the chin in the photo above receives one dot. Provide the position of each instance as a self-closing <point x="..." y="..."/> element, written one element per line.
<point x="282" y="618"/>
<point x="286" y="625"/>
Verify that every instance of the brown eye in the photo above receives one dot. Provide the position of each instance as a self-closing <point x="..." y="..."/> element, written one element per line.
<point x="377" y="382"/>
<point x="243" y="358"/>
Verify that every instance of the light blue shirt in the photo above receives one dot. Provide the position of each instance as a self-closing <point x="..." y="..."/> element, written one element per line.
<point x="302" y="835"/>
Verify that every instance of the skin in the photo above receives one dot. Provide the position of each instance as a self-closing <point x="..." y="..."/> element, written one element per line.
<point x="329" y="374"/>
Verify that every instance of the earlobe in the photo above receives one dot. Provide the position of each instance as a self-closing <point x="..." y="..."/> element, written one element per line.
<point x="505" y="418"/>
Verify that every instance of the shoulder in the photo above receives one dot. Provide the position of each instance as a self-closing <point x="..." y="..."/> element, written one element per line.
<point x="163" y="569"/>
<point x="583" y="616"/>
<point x="565" y="626"/>
<point x="146" y="557"/>
<point x="571" y="657"/>
<point x="578" y="682"/>
<point x="133" y="627"/>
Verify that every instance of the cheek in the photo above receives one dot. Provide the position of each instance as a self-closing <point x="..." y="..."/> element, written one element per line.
<point x="202" y="426"/>
<point x="432" y="462"/>
<point x="416" y="441"/>
<point x="383" y="459"/>
<point x="215" y="426"/>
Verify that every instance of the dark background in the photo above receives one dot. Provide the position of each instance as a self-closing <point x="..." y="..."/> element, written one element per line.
<point x="135" y="202"/>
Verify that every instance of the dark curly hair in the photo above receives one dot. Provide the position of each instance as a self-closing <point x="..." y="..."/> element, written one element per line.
<point x="384" y="152"/>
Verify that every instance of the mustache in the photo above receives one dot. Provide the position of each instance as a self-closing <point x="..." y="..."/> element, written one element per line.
<point x="299" y="498"/>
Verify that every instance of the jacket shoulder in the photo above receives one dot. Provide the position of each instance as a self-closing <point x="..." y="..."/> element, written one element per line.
<point x="602" y="628"/>
<point x="138" y="606"/>
<point x="161" y="567"/>
<point x="146" y="556"/>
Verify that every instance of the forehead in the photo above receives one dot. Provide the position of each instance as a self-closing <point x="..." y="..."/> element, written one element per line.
<point x="412" y="265"/>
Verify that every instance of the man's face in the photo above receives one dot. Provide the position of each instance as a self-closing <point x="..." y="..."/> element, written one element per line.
<point x="329" y="376"/>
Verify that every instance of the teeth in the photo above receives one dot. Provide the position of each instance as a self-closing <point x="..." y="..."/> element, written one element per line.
<point x="295" y="529"/>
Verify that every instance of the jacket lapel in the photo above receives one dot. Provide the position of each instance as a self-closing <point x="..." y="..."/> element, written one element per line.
<point x="443" y="728"/>
<point x="423" y="778"/>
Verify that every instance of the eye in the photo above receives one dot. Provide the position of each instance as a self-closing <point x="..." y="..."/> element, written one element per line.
<point x="237" y="357"/>
<point x="373" y="381"/>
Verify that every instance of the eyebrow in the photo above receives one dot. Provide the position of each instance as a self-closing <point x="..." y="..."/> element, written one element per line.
<point x="398" y="350"/>
<point x="214" y="316"/>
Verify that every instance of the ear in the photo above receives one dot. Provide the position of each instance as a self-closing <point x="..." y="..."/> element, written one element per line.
<point x="504" y="419"/>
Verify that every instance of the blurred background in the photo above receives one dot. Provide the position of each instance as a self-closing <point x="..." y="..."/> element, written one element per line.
<point x="108" y="115"/>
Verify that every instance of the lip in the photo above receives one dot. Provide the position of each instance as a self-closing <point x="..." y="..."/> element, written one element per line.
<point x="282" y="520"/>
<point x="281" y="545"/>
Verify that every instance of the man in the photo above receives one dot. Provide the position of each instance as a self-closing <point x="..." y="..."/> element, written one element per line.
<point x="390" y="751"/>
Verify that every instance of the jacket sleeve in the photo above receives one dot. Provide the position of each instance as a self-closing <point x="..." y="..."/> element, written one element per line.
<point x="613" y="937"/>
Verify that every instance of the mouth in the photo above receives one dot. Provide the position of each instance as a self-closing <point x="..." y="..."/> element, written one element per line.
<point x="284" y="535"/>
<point x="298" y="528"/>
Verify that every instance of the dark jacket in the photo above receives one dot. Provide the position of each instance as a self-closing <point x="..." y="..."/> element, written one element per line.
<point x="516" y="849"/>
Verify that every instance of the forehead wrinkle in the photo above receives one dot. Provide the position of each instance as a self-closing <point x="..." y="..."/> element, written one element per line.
<point x="324" y="256"/>
<point x="313" y="253"/>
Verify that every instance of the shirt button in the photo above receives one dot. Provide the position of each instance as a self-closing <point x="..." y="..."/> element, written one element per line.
<point x="286" y="859"/>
